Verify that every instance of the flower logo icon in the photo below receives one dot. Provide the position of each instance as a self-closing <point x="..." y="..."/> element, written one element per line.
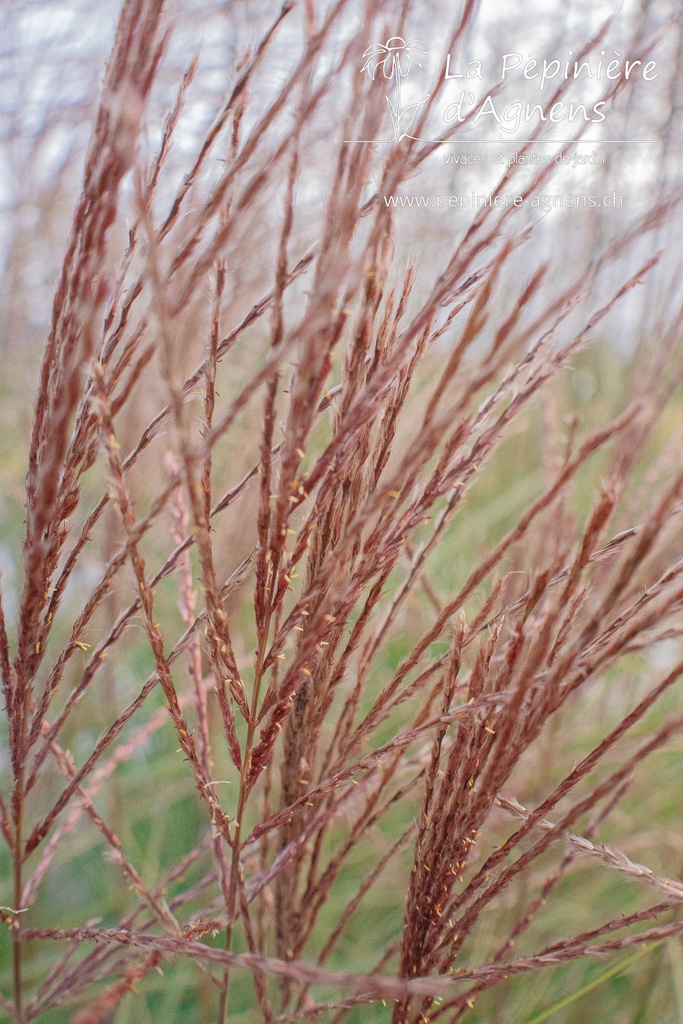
<point x="395" y="58"/>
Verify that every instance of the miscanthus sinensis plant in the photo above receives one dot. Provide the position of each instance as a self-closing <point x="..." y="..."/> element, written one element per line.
<point x="341" y="681"/>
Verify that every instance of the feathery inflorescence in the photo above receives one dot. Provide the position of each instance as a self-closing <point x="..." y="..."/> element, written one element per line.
<point x="260" y="561"/>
